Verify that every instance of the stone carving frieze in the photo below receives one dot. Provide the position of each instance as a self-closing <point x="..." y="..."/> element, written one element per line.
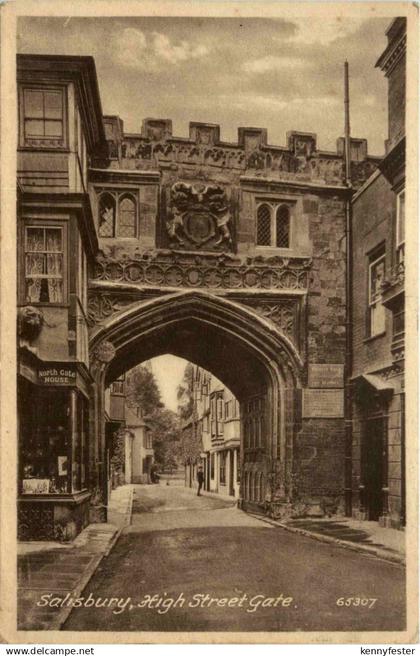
<point x="199" y="217"/>
<point x="188" y="270"/>
<point x="101" y="306"/>
<point x="282" y="312"/>
<point x="267" y="160"/>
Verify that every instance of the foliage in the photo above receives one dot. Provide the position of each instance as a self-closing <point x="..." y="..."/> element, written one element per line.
<point x="142" y="391"/>
<point x="190" y="443"/>
<point x="166" y="435"/>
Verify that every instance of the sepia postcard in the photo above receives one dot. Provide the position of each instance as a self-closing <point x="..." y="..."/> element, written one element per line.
<point x="208" y="334"/>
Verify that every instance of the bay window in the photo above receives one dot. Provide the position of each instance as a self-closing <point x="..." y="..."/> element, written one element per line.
<point x="43" y="117"/>
<point x="44" y="264"/>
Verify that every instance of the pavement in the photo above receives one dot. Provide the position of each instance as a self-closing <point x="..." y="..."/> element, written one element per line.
<point x="57" y="569"/>
<point x="142" y="513"/>
<point x="188" y="563"/>
<point x="363" y="536"/>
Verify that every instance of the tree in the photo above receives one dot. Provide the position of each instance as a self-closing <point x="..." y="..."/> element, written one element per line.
<point x="190" y="443"/>
<point x="142" y="391"/>
<point x="185" y="393"/>
<point x="165" y="428"/>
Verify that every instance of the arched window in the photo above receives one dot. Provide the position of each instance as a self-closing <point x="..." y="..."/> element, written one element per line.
<point x="127" y="218"/>
<point x="107" y="215"/>
<point x="264" y="225"/>
<point x="117" y="214"/>
<point x="282" y="227"/>
<point x="262" y="487"/>
<point x="246" y="486"/>
<point x="273" y="224"/>
<point x="251" y="486"/>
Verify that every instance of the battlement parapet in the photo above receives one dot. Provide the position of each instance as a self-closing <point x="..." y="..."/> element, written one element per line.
<point x="156" y="147"/>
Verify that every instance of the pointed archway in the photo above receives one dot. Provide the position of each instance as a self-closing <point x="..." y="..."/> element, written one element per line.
<point x="248" y="353"/>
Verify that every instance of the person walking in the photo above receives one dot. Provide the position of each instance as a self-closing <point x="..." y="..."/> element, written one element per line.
<point x="200" y="479"/>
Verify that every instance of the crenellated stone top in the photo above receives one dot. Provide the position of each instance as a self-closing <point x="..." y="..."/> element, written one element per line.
<point x="157" y="147"/>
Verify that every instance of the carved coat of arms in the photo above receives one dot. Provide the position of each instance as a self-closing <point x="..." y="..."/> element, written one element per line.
<point x="199" y="217"/>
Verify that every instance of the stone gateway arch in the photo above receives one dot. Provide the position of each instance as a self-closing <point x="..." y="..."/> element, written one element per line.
<point x="246" y="351"/>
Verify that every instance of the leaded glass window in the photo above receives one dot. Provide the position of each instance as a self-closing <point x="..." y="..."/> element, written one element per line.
<point x="282" y="227"/>
<point x="117" y="214"/>
<point x="273" y="225"/>
<point x="264" y="225"/>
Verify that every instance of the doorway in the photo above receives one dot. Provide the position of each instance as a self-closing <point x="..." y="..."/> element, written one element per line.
<point x="375" y="466"/>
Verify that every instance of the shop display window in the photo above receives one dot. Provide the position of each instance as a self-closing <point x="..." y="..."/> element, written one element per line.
<point x="53" y="441"/>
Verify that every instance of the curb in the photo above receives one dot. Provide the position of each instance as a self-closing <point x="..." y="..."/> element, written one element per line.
<point x="62" y="616"/>
<point x="396" y="559"/>
<point x="57" y="624"/>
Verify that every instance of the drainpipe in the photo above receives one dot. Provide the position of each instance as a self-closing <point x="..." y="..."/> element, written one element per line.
<point x="348" y="365"/>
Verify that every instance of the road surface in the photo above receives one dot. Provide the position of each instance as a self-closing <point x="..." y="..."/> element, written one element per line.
<point x="191" y="563"/>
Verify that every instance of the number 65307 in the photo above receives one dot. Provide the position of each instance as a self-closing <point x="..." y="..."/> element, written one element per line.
<point x="357" y="601"/>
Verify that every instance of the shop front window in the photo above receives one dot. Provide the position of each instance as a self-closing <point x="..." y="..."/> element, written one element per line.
<point x="53" y="441"/>
<point x="80" y="444"/>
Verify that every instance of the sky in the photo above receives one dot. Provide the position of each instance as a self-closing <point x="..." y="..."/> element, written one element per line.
<point x="281" y="74"/>
<point x="168" y="371"/>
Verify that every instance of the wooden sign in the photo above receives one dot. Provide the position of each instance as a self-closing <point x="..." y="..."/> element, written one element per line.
<point x="57" y="375"/>
<point x="326" y="376"/>
<point x="323" y="403"/>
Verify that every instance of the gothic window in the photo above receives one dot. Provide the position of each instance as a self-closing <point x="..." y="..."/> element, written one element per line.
<point x="107" y="215"/>
<point x="42" y="113"/>
<point x="376" y="309"/>
<point x="251" y="486"/>
<point x="262" y="486"/>
<point x="127" y="217"/>
<point x="117" y="214"/>
<point x="273" y="225"/>
<point x="282" y="226"/>
<point x="257" y="486"/>
<point x="44" y="264"/>
<point x="264" y="225"/>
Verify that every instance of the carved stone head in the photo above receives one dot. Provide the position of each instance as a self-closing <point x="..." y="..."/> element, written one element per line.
<point x="30" y="322"/>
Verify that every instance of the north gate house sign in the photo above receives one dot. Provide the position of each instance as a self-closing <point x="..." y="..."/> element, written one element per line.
<point x="199" y="217"/>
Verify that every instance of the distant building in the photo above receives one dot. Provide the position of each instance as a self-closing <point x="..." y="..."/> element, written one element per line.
<point x="378" y="313"/>
<point x="129" y="439"/>
<point x="215" y="425"/>
<point x="139" y="447"/>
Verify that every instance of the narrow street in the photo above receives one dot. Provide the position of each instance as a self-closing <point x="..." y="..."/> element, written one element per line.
<point x="228" y="571"/>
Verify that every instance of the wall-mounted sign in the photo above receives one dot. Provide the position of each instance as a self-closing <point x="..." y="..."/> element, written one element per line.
<point x="57" y="375"/>
<point x="325" y="375"/>
<point x="323" y="403"/>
